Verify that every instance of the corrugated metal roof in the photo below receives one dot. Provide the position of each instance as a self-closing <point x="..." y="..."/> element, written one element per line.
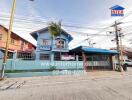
<point x="95" y="50"/>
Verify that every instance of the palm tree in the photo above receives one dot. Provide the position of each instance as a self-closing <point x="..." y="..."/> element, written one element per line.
<point x="55" y="30"/>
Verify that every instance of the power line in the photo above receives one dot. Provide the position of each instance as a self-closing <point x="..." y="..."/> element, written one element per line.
<point x="50" y="19"/>
<point x="46" y="22"/>
<point x="128" y="14"/>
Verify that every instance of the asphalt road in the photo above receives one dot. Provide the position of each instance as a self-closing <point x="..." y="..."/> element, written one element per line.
<point x="97" y="85"/>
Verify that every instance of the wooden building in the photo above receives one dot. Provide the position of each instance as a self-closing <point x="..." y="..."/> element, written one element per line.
<point x="16" y="43"/>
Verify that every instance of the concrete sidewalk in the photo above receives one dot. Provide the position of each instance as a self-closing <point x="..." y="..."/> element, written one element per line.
<point x="97" y="85"/>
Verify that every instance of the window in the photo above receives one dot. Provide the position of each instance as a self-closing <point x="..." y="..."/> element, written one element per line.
<point x="98" y="58"/>
<point x="80" y="58"/>
<point x="0" y="36"/>
<point x="57" y="57"/>
<point x="12" y="41"/>
<point x="45" y="42"/>
<point x="60" y="43"/>
<point x="25" y="43"/>
<point x="44" y="56"/>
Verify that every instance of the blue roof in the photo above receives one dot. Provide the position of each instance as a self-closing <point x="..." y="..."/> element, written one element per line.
<point x="34" y="34"/>
<point x="95" y="50"/>
<point x="117" y="7"/>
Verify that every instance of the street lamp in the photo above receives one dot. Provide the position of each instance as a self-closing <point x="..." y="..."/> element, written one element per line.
<point x="8" y="38"/>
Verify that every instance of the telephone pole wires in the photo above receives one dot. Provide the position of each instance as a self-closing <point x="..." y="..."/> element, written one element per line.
<point x="118" y="44"/>
<point x="8" y="39"/>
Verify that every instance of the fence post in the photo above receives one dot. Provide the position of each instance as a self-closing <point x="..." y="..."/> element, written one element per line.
<point x="52" y="63"/>
<point x="52" y="57"/>
<point x="76" y="62"/>
<point x="13" y="60"/>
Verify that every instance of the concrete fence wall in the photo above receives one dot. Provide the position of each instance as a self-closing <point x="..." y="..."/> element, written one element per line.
<point x="34" y="65"/>
<point x="39" y="64"/>
<point x="97" y="63"/>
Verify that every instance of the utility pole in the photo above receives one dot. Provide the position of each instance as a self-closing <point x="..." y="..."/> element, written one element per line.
<point x="117" y="43"/>
<point x="90" y="43"/>
<point x="121" y="48"/>
<point x="8" y="39"/>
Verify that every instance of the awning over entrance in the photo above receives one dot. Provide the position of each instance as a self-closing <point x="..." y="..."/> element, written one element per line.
<point x="94" y="50"/>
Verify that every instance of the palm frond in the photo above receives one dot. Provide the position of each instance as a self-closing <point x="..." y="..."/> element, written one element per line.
<point x="54" y="28"/>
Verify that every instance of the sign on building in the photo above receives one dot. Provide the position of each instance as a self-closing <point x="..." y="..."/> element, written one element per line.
<point x="67" y="57"/>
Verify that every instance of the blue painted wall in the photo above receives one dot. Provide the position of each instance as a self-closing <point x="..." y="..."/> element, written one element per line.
<point x="51" y="48"/>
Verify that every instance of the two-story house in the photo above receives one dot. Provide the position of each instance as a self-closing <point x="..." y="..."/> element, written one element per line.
<point x="50" y="47"/>
<point x="16" y="43"/>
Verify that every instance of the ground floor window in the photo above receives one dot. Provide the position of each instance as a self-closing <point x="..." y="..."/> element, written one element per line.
<point x="80" y="58"/>
<point x="10" y="55"/>
<point x="25" y="56"/>
<point x="44" y="56"/>
<point x="98" y="58"/>
<point x="57" y="56"/>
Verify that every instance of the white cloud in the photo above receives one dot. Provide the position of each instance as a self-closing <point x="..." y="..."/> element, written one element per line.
<point x="24" y="27"/>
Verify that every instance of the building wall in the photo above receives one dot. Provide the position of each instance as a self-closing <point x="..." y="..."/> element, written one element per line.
<point x="15" y="42"/>
<point x="46" y="44"/>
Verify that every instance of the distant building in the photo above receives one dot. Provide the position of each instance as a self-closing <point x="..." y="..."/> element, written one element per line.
<point x="127" y="52"/>
<point x="49" y="47"/>
<point x="16" y="43"/>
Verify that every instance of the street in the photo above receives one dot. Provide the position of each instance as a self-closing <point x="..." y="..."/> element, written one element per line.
<point x="97" y="85"/>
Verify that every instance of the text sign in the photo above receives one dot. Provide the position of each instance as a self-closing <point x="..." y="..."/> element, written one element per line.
<point x="67" y="57"/>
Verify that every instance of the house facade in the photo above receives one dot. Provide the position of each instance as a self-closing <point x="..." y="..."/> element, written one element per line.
<point x="51" y="47"/>
<point x="16" y="43"/>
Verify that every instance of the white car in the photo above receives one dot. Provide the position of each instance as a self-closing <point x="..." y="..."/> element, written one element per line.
<point x="127" y="62"/>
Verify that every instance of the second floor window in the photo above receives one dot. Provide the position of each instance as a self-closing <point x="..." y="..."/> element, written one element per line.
<point x="60" y="43"/>
<point x="12" y="41"/>
<point x="0" y="36"/>
<point x="45" y="42"/>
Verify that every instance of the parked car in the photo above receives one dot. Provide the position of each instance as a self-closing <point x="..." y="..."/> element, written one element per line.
<point x="127" y="62"/>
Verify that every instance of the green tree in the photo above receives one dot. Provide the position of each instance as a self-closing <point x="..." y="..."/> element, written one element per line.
<point x="54" y="28"/>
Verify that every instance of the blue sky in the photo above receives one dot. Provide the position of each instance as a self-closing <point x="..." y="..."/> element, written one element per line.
<point x="72" y="12"/>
